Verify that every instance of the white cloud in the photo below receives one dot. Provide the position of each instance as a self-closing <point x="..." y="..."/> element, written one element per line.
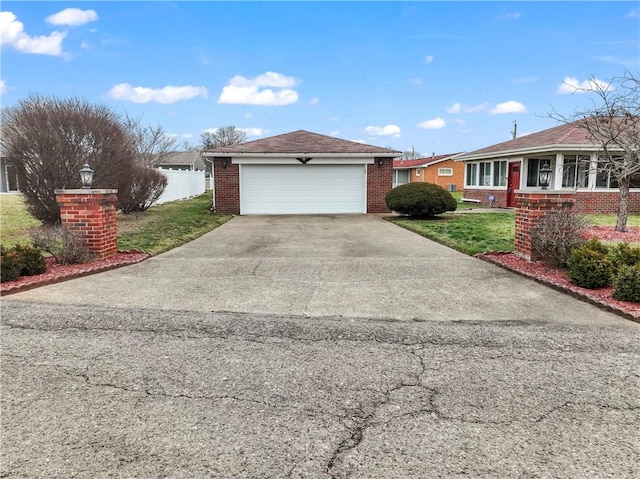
<point x="428" y="59"/>
<point x="458" y="121"/>
<point x="245" y="91"/>
<point x="334" y="133"/>
<point x="315" y="100"/>
<point x="12" y="34"/>
<point x="434" y="124"/>
<point x="254" y="131"/>
<point x="460" y="108"/>
<point x="573" y="85"/>
<point x="634" y="13"/>
<point x="508" y="107"/>
<point x="187" y="135"/>
<point x="3" y="87"/>
<point x="85" y="46"/>
<point x="168" y="94"/>
<point x="72" y="17"/>
<point x="248" y="115"/>
<point x="388" y="130"/>
<point x="359" y="141"/>
<point x="510" y="16"/>
<point x="416" y="81"/>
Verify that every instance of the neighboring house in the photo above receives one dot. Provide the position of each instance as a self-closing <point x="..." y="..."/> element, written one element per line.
<point x="8" y="177"/>
<point x="301" y="173"/>
<point x="500" y="170"/>
<point x="183" y="160"/>
<point x="441" y="170"/>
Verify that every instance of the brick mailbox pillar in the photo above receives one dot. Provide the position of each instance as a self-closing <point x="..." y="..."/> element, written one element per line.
<point x="91" y="214"/>
<point x="531" y="206"/>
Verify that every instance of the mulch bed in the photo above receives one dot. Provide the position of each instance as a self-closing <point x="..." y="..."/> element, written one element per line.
<point x="57" y="273"/>
<point x="557" y="277"/>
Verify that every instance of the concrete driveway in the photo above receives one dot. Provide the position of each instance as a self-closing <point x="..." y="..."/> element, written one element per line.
<point x="346" y="265"/>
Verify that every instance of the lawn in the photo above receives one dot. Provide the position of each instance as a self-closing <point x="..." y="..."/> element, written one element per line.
<point x="154" y="231"/>
<point x="470" y="233"/>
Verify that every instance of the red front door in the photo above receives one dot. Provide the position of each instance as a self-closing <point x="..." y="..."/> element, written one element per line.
<point x="513" y="184"/>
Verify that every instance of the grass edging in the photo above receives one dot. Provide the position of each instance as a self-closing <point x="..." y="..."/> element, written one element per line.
<point x="575" y="294"/>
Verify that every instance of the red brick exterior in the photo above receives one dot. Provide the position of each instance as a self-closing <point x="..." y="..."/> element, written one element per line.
<point x="530" y="208"/>
<point x="483" y="196"/>
<point x="227" y="186"/>
<point x="605" y="202"/>
<point x="379" y="182"/>
<point x="91" y="214"/>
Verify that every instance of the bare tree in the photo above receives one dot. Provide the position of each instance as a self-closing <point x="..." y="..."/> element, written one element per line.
<point x="224" y="136"/>
<point x="411" y="154"/>
<point x="48" y="140"/>
<point x="613" y="124"/>
<point x="151" y="143"/>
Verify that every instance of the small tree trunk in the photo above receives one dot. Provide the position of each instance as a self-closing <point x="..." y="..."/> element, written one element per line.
<point x="623" y="207"/>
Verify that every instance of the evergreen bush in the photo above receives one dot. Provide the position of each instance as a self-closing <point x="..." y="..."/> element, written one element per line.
<point x="589" y="265"/>
<point x="32" y="259"/>
<point x="626" y="283"/>
<point x="623" y="255"/>
<point x="10" y="264"/>
<point x="422" y="200"/>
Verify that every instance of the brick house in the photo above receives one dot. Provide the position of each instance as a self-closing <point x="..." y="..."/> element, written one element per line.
<point x="500" y="170"/>
<point x="441" y="170"/>
<point x="301" y="173"/>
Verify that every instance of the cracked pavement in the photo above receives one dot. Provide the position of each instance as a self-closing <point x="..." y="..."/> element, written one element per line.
<point x="99" y="392"/>
<point x="315" y="347"/>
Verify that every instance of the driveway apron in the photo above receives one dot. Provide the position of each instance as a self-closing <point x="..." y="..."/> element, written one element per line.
<point x="318" y="266"/>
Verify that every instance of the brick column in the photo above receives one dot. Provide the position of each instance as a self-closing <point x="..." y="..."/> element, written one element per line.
<point x="226" y="177"/>
<point x="531" y="206"/>
<point x="91" y="214"/>
<point x="379" y="182"/>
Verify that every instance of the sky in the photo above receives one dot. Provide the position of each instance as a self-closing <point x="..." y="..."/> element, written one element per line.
<point x="432" y="77"/>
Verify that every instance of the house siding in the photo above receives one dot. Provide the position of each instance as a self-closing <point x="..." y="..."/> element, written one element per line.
<point x="379" y="182"/>
<point x="429" y="174"/>
<point x="483" y="195"/>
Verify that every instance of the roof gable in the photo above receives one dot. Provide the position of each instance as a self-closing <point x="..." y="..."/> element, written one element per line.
<point x="179" y="158"/>
<point x="302" y="141"/>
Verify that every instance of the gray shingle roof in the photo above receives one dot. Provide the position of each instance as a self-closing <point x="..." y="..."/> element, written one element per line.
<point x="302" y="141"/>
<point x="179" y="158"/>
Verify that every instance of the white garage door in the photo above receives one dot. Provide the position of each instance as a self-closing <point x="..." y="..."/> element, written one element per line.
<point x="302" y="189"/>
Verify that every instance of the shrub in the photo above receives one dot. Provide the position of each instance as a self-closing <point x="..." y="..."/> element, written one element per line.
<point x="623" y="255"/>
<point x="32" y="260"/>
<point x="420" y="200"/>
<point x="10" y="264"/>
<point x="589" y="265"/>
<point x="62" y="243"/>
<point x="145" y="188"/>
<point x="556" y="234"/>
<point x="626" y="283"/>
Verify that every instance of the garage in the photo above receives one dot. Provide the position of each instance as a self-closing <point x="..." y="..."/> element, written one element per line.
<point x="302" y="189"/>
<point x="301" y="173"/>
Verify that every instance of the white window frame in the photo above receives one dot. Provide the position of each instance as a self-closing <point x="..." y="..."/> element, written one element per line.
<point x="442" y="171"/>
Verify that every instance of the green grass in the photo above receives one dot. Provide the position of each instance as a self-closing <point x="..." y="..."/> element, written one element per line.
<point x="15" y="221"/>
<point x="167" y="226"/>
<point x="463" y="206"/>
<point x="469" y="233"/>
<point x="610" y="220"/>
<point x="155" y="231"/>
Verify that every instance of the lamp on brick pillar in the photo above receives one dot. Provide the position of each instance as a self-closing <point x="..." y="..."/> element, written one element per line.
<point x="86" y="176"/>
<point x="544" y="176"/>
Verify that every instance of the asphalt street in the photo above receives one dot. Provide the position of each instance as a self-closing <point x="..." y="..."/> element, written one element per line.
<point x="316" y="347"/>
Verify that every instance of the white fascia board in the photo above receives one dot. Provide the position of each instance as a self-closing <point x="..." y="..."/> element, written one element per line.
<point x="315" y="160"/>
<point x="369" y="156"/>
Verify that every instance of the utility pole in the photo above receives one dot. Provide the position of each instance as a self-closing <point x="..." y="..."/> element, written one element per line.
<point x="515" y="130"/>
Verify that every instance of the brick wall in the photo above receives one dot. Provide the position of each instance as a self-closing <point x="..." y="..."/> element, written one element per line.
<point x="483" y="196"/>
<point x="379" y="182"/>
<point x="227" y="186"/>
<point x="91" y="214"/>
<point x="531" y="207"/>
<point x="605" y="202"/>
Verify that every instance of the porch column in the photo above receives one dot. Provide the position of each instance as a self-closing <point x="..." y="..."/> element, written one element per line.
<point x="531" y="206"/>
<point x="92" y="215"/>
<point x="557" y="178"/>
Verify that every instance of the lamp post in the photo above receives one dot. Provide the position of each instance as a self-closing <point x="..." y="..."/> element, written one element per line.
<point x="544" y="176"/>
<point x="86" y="176"/>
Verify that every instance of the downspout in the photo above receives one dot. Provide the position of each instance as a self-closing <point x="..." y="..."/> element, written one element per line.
<point x="213" y="186"/>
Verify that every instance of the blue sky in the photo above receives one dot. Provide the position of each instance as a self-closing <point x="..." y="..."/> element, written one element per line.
<point x="439" y="77"/>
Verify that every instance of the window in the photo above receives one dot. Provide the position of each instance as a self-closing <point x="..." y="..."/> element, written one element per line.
<point x="445" y="171"/>
<point x="400" y="177"/>
<point x="418" y="171"/>
<point x="485" y="173"/>
<point x="575" y="171"/>
<point x="533" y="167"/>
<point x="472" y="174"/>
<point x="500" y="173"/>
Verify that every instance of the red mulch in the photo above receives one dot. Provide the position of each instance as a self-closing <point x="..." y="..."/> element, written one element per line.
<point x="57" y="273"/>
<point x="557" y="277"/>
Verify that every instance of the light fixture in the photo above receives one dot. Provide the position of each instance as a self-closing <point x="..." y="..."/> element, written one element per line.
<point x="544" y="176"/>
<point x="86" y="176"/>
<point x="380" y="162"/>
<point x="225" y="162"/>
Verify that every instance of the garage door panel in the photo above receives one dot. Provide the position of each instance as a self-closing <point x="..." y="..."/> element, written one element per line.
<point x="302" y="189"/>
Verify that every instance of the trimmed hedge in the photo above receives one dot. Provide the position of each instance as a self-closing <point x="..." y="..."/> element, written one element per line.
<point x="422" y="200"/>
<point x="589" y="265"/>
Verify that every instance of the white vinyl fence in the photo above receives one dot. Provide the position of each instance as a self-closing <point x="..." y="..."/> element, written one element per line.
<point x="181" y="184"/>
